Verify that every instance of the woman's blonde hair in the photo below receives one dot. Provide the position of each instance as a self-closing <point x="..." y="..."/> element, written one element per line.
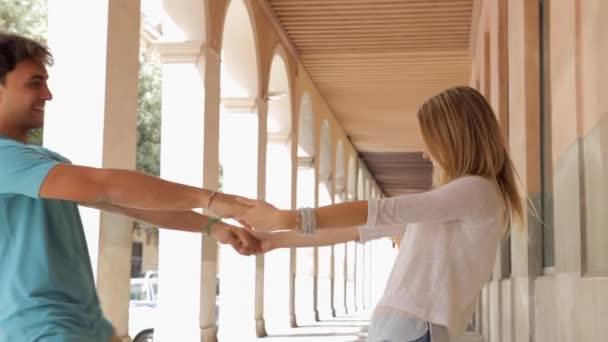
<point x="463" y="136"/>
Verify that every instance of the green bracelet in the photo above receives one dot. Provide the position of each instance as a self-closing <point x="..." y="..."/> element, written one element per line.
<point x="210" y="223"/>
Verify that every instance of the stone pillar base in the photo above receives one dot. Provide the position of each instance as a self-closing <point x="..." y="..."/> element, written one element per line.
<point x="209" y="334"/>
<point x="260" y="328"/>
<point x="333" y="312"/>
<point x="317" y="319"/>
<point x="292" y="321"/>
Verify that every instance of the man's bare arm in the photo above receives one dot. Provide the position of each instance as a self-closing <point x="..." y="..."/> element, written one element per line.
<point x="183" y="220"/>
<point x="131" y="189"/>
<point x="189" y="221"/>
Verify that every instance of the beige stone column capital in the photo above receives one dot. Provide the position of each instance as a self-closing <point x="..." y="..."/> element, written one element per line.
<point x="185" y="52"/>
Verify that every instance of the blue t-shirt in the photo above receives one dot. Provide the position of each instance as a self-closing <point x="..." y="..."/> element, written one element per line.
<point x="47" y="290"/>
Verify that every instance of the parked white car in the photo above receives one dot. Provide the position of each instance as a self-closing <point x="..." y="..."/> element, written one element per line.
<point x="142" y="307"/>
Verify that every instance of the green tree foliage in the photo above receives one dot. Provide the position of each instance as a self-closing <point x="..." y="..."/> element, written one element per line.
<point x="148" y="127"/>
<point x="26" y="17"/>
<point x="149" y="119"/>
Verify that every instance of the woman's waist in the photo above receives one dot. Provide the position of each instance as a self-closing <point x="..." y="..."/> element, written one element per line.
<point x="385" y="310"/>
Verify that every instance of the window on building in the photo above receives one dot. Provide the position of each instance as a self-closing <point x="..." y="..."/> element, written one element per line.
<point x="546" y="205"/>
<point x="136" y="259"/>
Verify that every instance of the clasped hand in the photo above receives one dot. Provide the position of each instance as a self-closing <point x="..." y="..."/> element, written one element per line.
<point x="255" y="216"/>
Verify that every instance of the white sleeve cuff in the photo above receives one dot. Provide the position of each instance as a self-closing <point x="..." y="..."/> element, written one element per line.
<point x="366" y="233"/>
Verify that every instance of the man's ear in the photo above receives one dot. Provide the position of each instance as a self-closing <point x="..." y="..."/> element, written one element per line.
<point x="2" y="88"/>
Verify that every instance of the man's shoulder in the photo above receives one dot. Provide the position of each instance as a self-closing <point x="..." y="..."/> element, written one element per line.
<point x="10" y="149"/>
<point x="52" y="154"/>
<point x="14" y="149"/>
<point x="9" y="143"/>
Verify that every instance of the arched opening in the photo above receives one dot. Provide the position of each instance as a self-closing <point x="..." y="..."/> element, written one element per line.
<point x="278" y="192"/>
<point x="181" y="272"/>
<point x="325" y="254"/>
<point x="238" y="155"/>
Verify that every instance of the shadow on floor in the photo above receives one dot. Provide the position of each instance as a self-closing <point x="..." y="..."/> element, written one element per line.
<point x="352" y="328"/>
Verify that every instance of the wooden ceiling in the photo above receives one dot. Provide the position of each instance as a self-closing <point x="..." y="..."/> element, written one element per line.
<point x="400" y="173"/>
<point x="376" y="61"/>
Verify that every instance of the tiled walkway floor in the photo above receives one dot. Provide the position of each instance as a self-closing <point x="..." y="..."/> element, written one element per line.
<point x="338" y="329"/>
<point x="352" y="328"/>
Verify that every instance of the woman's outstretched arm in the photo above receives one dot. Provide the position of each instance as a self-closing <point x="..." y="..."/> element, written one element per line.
<point x="264" y="216"/>
<point x="464" y="198"/>
<point x="288" y="239"/>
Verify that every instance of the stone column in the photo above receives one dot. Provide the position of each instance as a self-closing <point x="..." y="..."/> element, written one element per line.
<point x="305" y="270"/>
<point x="359" y="282"/>
<point x="349" y="293"/>
<point x="350" y="265"/>
<point x="96" y="125"/>
<point x="292" y="287"/>
<point x="365" y="258"/>
<point x="262" y="107"/>
<point x="332" y="258"/>
<point x="324" y="260"/>
<point x="365" y="276"/>
<point x="339" y="272"/>
<point x="339" y="280"/>
<point x="293" y="251"/>
<point x="208" y="316"/>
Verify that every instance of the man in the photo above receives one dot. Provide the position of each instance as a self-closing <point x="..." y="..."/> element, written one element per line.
<point x="47" y="292"/>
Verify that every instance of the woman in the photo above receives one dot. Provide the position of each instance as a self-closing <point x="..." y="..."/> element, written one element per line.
<point x="453" y="231"/>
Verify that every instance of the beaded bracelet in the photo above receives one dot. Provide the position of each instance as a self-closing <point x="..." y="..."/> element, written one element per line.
<point x="210" y="223"/>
